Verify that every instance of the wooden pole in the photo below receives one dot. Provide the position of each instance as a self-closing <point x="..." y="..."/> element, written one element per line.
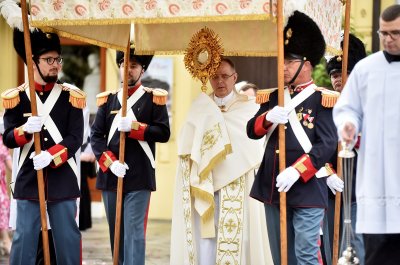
<point x="282" y="144"/>
<point x="36" y="136"/>
<point x="120" y="186"/>
<point x="336" y="227"/>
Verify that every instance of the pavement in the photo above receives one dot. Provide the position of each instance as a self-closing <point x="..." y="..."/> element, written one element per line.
<point x="96" y="244"/>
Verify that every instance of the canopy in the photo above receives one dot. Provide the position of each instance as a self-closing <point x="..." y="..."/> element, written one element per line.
<point x="246" y="27"/>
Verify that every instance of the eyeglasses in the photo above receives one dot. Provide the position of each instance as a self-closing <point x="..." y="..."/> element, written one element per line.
<point x="51" y="60"/>
<point x="131" y="65"/>
<point x="288" y="62"/>
<point x="394" y="34"/>
<point x="223" y="76"/>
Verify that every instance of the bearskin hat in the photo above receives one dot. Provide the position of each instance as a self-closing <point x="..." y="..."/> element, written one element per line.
<point x="144" y="60"/>
<point x="41" y="42"/>
<point x="356" y="53"/>
<point x="303" y="39"/>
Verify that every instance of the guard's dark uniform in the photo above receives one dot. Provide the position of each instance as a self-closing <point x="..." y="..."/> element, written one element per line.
<point x="60" y="107"/>
<point x="317" y="122"/>
<point x="60" y="180"/>
<point x="154" y="128"/>
<point x="151" y="126"/>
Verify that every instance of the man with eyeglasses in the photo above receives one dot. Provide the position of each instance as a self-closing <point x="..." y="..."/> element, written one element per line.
<point x="310" y="142"/>
<point x="369" y="105"/>
<point x="146" y="122"/>
<point x="60" y="124"/>
<point x="233" y="231"/>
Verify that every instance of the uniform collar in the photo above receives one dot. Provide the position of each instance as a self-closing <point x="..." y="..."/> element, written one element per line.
<point x="132" y="89"/>
<point x="301" y="87"/>
<point x="391" y="58"/>
<point x="44" y="88"/>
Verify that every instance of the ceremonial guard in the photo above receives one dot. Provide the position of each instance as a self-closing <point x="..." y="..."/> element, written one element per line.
<point x="146" y="123"/>
<point x="60" y="124"/>
<point x="310" y="142"/>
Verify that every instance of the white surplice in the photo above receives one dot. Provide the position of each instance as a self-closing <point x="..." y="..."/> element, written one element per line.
<point x="371" y="101"/>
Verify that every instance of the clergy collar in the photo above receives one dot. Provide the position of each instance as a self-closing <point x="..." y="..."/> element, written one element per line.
<point x="132" y="89"/>
<point x="391" y="58"/>
<point x="221" y="102"/>
<point x="44" y="88"/>
<point x="301" y="87"/>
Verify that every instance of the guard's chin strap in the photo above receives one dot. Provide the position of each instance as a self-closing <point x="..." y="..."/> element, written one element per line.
<point x="297" y="72"/>
<point x="38" y="68"/>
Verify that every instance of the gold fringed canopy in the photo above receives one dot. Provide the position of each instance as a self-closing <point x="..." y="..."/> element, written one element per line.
<point x="248" y="27"/>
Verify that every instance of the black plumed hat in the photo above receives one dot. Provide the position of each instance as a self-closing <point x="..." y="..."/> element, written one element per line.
<point x="356" y="53"/>
<point x="303" y="39"/>
<point x="41" y="42"/>
<point x="144" y="60"/>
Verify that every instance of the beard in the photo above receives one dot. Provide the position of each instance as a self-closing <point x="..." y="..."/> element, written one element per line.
<point x="50" y="78"/>
<point x="132" y="81"/>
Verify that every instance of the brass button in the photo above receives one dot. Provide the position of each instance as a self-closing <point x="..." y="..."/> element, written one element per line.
<point x="44" y="128"/>
<point x="45" y="139"/>
<point x="277" y="151"/>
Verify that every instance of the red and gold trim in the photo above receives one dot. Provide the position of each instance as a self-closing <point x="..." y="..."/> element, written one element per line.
<point x="305" y="167"/>
<point x="21" y="138"/>
<point x="60" y="155"/>
<point x="106" y="159"/>
<point x="329" y="169"/>
<point x="137" y="130"/>
<point x="261" y="125"/>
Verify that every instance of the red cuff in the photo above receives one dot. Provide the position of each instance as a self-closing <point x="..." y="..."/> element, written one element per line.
<point x="259" y="128"/>
<point x="305" y="167"/>
<point x="21" y="138"/>
<point x="60" y="155"/>
<point x="106" y="160"/>
<point x="137" y="131"/>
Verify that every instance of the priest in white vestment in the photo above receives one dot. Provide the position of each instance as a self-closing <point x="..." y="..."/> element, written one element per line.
<point x="214" y="219"/>
<point x="370" y="104"/>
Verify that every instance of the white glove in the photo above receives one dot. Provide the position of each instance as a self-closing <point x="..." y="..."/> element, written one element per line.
<point x="124" y="124"/>
<point x="335" y="183"/>
<point x="286" y="179"/>
<point x="41" y="160"/>
<point x="33" y="124"/>
<point x="277" y="115"/>
<point x="119" y="169"/>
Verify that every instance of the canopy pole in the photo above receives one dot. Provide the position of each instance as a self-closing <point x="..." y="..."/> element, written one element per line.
<point x="282" y="144"/>
<point x="36" y="135"/>
<point x="121" y="157"/>
<point x="336" y="229"/>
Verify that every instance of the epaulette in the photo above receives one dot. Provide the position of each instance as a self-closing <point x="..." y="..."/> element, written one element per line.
<point x="263" y="95"/>
<point x="11" y="96"/>
<point x="77" y="97"/>
<point x="159" y="95"/>
<point x="102" y="97"/>
<point x="329" y="97"/>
